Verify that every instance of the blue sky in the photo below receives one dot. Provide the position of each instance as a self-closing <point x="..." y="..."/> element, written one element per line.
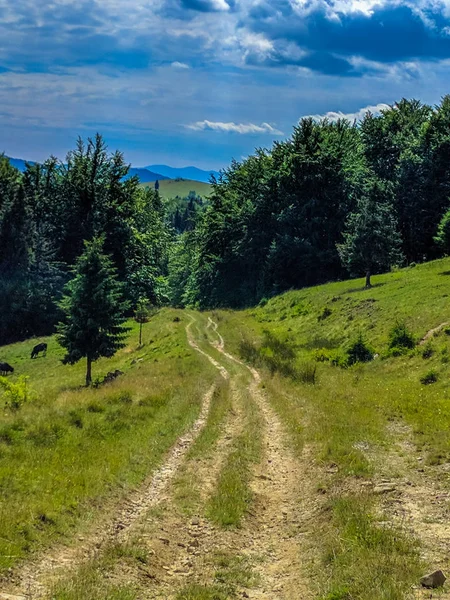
<point x="201" y="81"/>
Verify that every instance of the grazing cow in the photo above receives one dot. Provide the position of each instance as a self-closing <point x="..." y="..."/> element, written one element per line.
<point x="39" y="348"/>
<point x="5" y="368"/>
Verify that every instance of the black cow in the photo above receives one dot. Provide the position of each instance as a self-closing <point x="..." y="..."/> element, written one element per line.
<point x="39" y="348"/>
<point x="5" y="368"/>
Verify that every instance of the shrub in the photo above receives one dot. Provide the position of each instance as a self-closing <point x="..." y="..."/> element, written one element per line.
<point x="321" y="355"/>
<point x="279" y="348"/>
<point x="248" y="351"/>
<point x="428" y="351"/>
<point x="307" y="373"/>
<point x="429" y="377"/>
<point x="326" y="312"/>
<point x="359" y="351"/>
<point x="401" y="338"/>
<point x="339" y="359"/>
<point x="15" y="394"/>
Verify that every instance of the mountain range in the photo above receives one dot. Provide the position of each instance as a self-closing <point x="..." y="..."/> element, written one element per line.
<point x="149" y="173"/>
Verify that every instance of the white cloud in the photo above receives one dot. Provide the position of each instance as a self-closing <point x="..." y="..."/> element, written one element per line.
<point x="242" y="128"/>
<point x="179" y="65"/>
<point x="353" y="116"/>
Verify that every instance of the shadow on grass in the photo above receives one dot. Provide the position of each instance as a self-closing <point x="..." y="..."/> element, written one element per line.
<point x="363" y="288"/>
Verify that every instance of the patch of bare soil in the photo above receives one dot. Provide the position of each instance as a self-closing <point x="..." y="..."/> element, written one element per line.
<point x="430" y="334"/>
<point x="416" y="497"/>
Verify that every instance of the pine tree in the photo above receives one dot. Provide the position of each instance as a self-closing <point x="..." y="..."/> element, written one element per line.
<point x="93" y="309"/>
<point x="442" y="237"/>
<point x="371" y="240"/>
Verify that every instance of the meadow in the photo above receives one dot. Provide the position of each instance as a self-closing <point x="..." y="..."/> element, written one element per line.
<point x="367" y="457"/>
<point x="172" y="188"/>
<point x="71" y="452"/>
<point x="385" y="420"/>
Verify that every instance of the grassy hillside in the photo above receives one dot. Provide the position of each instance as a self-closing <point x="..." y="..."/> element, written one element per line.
<point x="311" y="477"/>
<point x="70" y="450"/>
<point x="387" y="420"/>
<point x="170" y="188"/>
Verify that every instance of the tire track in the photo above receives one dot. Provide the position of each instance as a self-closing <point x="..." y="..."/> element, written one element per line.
<point x="276" y="489"/>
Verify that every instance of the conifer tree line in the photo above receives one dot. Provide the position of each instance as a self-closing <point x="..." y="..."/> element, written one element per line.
<point x="334" y="198"/>
<point x="50" y="211"/>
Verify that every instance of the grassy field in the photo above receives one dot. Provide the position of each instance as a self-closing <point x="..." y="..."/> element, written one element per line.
<point x="170" y="188"/>
<point x="350" y="417"/>
<point x="351" y="428"/>
<point x="69" y="450"/>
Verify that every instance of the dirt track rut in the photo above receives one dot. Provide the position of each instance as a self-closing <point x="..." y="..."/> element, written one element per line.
<point x="271" y="537"/>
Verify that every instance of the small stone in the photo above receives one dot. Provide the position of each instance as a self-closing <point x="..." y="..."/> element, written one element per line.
<point x="384" y="488"/>
<point x="433" y="580"/>
<point x="195" y="521"/>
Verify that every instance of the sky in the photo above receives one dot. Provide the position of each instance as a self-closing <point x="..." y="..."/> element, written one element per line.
<point x="199" y="82"/>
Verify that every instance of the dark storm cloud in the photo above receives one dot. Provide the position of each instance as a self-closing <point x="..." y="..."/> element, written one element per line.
<point x="389" y="34"/>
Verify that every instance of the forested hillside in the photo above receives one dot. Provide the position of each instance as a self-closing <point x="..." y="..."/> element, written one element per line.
<point x="48" y="212"/>
<point x="334" y="198"/>
<point x="275" y="219"/>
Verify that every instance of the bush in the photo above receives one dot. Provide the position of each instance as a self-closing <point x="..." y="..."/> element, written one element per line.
<point x="339" y="359"/>
<point x="428" y="351"/>
<point x="322" y="355"/>
<point x="359" y="351"/>
<point x="307" y="373"/>
<point x="277" y="346"/>
<point x="326" y="312"/>
<point x="429" y="377"/>
<point x="401" y="338"/>
<point x="15" y="394"/>
<point x="248" y="351"/>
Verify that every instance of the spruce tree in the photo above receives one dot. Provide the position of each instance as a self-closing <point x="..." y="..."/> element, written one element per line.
<point x="93" y="309"/>
<point x="442" y="237"/>
<point x="371" y="240"/>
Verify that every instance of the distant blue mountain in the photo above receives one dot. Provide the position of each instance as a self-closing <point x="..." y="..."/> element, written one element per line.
<point x="19" y="163"/>
<point x="184" y="172"/>
<point x="145" y="175"/>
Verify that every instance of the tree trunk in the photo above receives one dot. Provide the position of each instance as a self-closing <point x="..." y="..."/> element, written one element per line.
<point x="89" y="371"/>
<point x="368" y="274"/>
<point x="140" y="334"/>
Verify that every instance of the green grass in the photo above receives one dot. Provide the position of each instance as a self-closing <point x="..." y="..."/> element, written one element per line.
<point x="186" y="486"/>
<point x="365" y="561"/>
<point x="170" y="188"/>
<point x="88" y="582"/>
<point x="72" y="449"/>
<point x="344" y="416"/>
<point x="232" y="496"/>
<point x="231" y="573"/>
